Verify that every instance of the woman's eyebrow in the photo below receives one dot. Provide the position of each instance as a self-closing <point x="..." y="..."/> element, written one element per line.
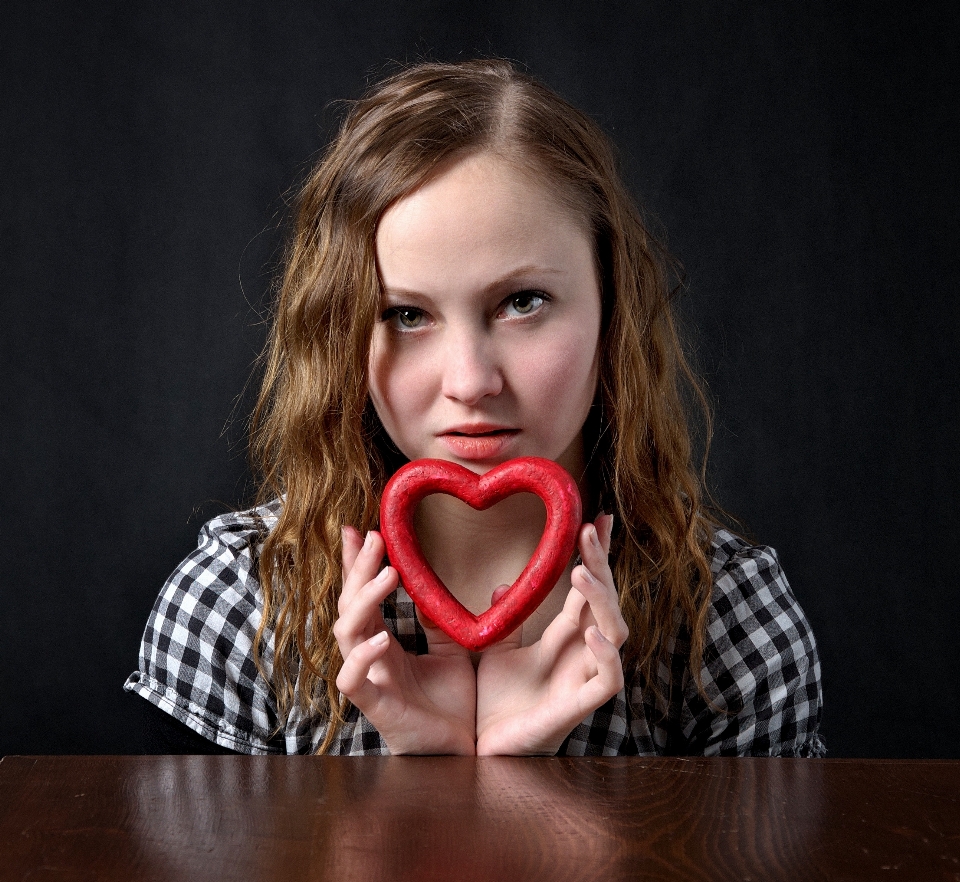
<point x="521" y="271"/>
<point x="500" y="282"/>
<point x="400" y="295"/>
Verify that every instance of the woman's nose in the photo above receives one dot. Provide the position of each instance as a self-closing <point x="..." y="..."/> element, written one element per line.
<point x="471" y="369"/>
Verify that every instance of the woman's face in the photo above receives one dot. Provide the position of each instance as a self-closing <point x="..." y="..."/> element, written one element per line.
<point x="487" y="346"/>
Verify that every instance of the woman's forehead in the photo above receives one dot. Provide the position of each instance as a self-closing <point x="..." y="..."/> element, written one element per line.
<point x="479" y="208"/>
<point x="518" y="168"/>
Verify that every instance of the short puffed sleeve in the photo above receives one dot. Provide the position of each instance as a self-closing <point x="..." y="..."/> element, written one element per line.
<point x="197" y="654"/>
<point x="761" y="671"/>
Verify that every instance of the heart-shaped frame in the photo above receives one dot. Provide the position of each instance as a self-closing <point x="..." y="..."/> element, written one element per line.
<point x="423" y="477"/>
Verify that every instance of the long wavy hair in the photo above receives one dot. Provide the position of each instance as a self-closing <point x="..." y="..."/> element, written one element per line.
<point x="317" y="439"/>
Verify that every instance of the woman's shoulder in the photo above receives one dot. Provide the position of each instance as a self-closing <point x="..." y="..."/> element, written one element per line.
<point x="755" y="619"/>
<point x="746" y="577"/>
<point x="226" y="555"/>
<point x="243" y="529"/>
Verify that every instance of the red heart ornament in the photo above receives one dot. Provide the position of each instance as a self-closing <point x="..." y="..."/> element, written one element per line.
<point x="532" y="474"/>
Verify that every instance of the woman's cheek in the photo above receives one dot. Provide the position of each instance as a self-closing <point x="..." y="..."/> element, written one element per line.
<point x="567" y="370"/>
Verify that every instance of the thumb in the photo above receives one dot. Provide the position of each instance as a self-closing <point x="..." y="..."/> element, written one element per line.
<point x="438" y="642"/>
<point x="514" y="639"/>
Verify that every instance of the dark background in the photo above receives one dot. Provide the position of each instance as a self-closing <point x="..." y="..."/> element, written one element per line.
<point x="802" y="158"/>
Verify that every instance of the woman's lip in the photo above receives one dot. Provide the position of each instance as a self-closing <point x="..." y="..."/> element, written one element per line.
<point x="479" y="444"/>
<point x="476" y="429"/>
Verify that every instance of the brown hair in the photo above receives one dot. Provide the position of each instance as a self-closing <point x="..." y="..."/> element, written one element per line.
<point x="318" y="440"/>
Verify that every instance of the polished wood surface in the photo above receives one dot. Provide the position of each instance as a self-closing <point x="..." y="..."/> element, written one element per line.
<point x="498" y="818"/>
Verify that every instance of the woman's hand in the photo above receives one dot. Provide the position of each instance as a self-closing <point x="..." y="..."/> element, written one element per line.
<point x="529" y="698"/>
<point x="423" y="704"/>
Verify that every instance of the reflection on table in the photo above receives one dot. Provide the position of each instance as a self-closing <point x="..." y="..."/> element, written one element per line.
<point x="497" y="818"/>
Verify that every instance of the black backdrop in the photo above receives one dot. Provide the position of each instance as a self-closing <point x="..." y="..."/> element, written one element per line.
<point x="801" y="157"/>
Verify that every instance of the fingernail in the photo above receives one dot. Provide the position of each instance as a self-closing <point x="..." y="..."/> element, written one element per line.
<point x="382" y="576"/>
<point x="368" y="540"/>
<point x="595" y="536"/>
<point x="380" y="638"/>
<point x="588" y="575"/>
<point x="597" y="633"/>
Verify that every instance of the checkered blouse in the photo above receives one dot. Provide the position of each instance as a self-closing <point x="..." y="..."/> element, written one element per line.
<point x="761" y="672"/>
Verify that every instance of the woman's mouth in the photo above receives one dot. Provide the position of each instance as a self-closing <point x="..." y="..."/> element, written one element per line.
<point x="478" y="443"/>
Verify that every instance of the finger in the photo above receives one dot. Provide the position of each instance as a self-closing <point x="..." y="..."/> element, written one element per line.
<point x="574" y="603"/>
<point x="602" y="678"/>
<point x="438" y="641"/>
<point x="361" y="616"/>
<point x="595" y="560"/>
<point x="426" y="622"/>
<point x="603" y="606"/>
<point x="604" y="525"/>
<point x="608" y="680"/>
<point x="513" y="640"/>
<point x="593" y="555"/>
<point x="365" y="566"/>
<point x="564" y="628"/>
<point x="351" y="543"/>
<point x="354" y="677"/>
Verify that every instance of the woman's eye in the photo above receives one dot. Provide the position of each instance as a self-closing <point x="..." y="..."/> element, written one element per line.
<point x="405" y="318"/>
<point x="524" y="303"/>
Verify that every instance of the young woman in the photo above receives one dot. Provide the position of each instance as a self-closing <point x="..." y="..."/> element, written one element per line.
<point x="469" y="280"/>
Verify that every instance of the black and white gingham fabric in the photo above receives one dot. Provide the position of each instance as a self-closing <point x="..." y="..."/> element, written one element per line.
<point x="761" y="672"/>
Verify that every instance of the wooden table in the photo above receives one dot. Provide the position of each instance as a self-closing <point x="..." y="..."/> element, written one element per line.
<point x="499" y="818"/>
